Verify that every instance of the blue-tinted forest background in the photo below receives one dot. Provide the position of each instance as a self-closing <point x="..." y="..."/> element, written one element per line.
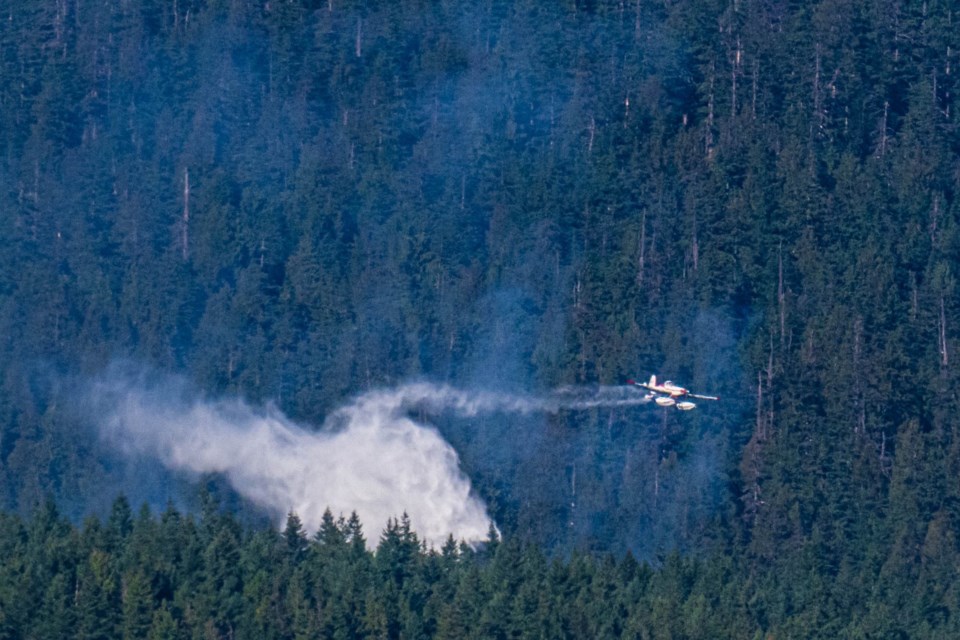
<point x="293" y="202"/>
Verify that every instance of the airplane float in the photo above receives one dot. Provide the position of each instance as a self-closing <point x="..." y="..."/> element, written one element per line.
<point x="668" y="394"/>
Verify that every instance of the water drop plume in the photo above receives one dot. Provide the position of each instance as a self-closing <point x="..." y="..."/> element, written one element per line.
<point x="370" y="456"/>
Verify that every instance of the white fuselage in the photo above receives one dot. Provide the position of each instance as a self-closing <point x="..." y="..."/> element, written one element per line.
<point x="667" y="394"/>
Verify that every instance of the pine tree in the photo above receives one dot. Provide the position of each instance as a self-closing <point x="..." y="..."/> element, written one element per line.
<point x="138" y="606"/>
<point x="296" y="539"/>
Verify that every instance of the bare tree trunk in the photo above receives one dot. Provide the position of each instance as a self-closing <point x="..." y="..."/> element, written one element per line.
<point x="641" y="257"/>
<point x="818" y="114"/>
<point x="593" y="130"/>
<point x="695" y="248"/>
<point x="357" y="45"/>
<point x="781" y="298"/>
<point x="944" y="357"/>
<point x="636" y="22"/>
<point x="185" y="221"/>
<point x="882" y="145"/>
<point x="737" y="58"/>
<point x="760" y="430"/>
<point x="573" y="492"/>
<point x="861" y="427"/>
<point x="935" y="222"/>
<point x="946" y="95"/>
<point x="708" y="136"/>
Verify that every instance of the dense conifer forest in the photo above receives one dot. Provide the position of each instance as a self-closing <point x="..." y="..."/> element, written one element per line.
<point x="295" y="201"/>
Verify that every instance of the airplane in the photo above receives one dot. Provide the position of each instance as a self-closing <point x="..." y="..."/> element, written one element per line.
<point x="668" y="394"/>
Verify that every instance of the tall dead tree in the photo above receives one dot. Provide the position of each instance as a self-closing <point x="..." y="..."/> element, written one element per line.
<point x="185" y="217"/>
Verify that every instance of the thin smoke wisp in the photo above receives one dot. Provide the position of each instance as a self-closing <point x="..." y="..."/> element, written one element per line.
<point x="370" y="456"/>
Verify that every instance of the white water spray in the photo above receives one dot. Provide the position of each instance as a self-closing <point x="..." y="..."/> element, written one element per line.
<point x="438" y="398"/>
<point x="369" y="457"/>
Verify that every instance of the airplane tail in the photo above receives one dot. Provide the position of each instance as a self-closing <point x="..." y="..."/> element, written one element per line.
<point x="653" y="381"/>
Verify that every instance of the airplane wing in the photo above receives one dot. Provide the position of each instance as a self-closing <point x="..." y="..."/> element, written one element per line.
<point x="694" y="395"/>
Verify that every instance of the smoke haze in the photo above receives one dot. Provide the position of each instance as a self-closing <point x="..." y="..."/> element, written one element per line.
<point x="370" y="456"/>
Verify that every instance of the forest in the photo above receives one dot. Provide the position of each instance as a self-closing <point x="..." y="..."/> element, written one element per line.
<point x="178" y="577"/>
<point x="294" y="202"/>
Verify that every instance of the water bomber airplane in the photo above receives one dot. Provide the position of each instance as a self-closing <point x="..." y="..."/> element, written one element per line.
<point x="668" y="394"/>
